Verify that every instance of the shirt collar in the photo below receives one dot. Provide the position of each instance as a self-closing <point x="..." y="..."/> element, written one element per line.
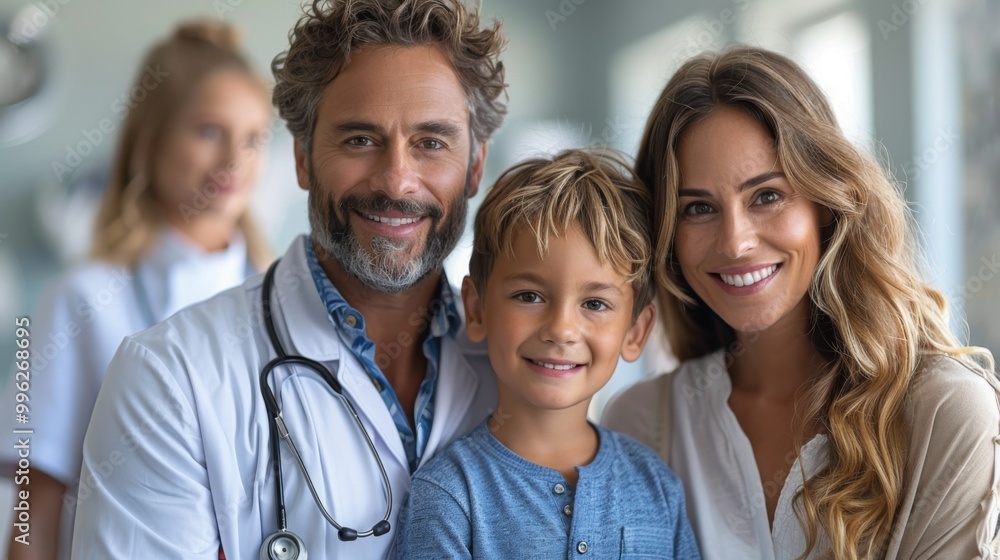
<point x="445" y="319"/>
<point x="178" y="273"/>
<point x="173" y="247"/>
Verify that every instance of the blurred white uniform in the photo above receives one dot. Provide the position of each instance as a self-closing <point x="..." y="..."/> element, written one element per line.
<point x="78" y="325"/>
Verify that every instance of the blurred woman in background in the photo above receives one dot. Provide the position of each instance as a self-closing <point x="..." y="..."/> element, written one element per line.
<point x="172" y="230"/>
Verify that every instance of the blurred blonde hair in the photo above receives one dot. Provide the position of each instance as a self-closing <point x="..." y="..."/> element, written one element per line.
<point x="593" y="189"/>
<point x="872" y="316"/>
<point x="129" y="219"/>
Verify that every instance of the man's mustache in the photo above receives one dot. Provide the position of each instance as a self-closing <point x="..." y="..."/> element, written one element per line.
<point x="382" y="203"/>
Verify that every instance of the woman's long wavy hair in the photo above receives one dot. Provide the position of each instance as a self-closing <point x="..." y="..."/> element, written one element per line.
<point x="872" y="316"/>
<point x="129" y="219"/>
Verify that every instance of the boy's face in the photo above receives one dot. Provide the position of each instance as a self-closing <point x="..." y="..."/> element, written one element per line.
<point x="555" y="326"/>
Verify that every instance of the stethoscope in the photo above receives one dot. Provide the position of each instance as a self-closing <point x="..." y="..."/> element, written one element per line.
<point x="284" y="544"/>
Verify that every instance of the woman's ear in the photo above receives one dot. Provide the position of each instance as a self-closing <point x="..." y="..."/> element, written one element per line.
<point x="635" y="338"/>
<point x="827" y="227"/>
<point x="475" y="327"/>
<point x="826" y="216"/>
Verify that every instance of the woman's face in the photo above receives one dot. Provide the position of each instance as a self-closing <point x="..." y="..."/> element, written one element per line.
<point x="213" y="150"/>
<point x="747" y="242"/>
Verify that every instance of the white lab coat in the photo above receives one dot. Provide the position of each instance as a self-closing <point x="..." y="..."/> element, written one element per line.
<point x="80" y="321"/>
<point x="177" y="461"/>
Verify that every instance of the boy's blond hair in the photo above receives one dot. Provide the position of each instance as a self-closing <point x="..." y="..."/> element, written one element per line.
<point x="594" y="189"/>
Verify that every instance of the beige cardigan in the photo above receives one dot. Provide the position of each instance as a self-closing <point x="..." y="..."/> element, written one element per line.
<point x="951" y="500"/>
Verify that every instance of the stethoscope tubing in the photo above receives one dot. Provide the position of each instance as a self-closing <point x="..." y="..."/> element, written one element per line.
<point x="279" y="431"/>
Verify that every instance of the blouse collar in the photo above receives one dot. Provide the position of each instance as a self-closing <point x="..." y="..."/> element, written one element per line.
<point x="178" y="273"/>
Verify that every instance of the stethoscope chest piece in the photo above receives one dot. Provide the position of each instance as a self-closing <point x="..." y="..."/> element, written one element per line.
<point x="283" y="545"/>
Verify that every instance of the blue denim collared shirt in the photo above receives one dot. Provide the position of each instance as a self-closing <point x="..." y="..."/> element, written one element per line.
<point x="350" y="326"/>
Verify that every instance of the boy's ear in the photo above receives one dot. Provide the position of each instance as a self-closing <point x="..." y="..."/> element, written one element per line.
<point x="635" y="339"/>
<point x="475" y="327"/>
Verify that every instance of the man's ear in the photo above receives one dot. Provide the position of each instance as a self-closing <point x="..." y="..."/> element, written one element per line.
<point x="635" y="339"/>
<point x="475" y="327"/>
<point x="476" y="172"/>
<point x="301" y="166"/>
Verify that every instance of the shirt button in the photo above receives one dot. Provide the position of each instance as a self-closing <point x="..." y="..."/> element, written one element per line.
<point x="582" y="547"/>
<point x="568" y="509"/>
<point x="559" y="488"/>
<point x="351" y="321"/>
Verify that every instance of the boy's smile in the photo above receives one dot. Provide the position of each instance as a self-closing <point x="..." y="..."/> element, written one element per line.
<point x="555" y="368"/>
<point x="556" y="324"/>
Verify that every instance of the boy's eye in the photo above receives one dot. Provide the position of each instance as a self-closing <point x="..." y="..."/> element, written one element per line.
<point x="595" y="305"/>
<point x="528" y="297"/>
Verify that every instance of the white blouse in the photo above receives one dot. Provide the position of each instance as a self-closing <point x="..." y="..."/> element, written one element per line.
<point x="713" y="457"/>
<point x="949" y="507"/>
<point x="722" y="470"/>
<point x="75" y="331"/>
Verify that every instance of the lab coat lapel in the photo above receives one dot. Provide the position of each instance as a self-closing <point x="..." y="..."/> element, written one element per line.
<point x="370" y="406"/>
<point x="457" y="384"/>
<point x="307" y="331"/>
<point x="308" y="326"/>
<point x="302" y="323"/>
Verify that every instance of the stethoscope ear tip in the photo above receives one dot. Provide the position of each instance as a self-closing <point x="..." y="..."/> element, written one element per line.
<point x="347" y="534"/>
<point x="381" y="528"/>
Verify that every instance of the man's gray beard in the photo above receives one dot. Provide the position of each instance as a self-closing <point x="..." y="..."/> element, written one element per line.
<point x="378" y="269"/>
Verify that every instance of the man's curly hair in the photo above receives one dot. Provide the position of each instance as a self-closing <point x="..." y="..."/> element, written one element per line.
<point x="328" y="31"/>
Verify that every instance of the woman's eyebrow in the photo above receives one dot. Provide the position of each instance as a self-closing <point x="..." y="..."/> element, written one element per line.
<point x="748" y="184"/>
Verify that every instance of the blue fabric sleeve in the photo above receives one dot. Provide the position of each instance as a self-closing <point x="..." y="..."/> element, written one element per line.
<point x="685" y="545"/>
<point x="432" y="525"/>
